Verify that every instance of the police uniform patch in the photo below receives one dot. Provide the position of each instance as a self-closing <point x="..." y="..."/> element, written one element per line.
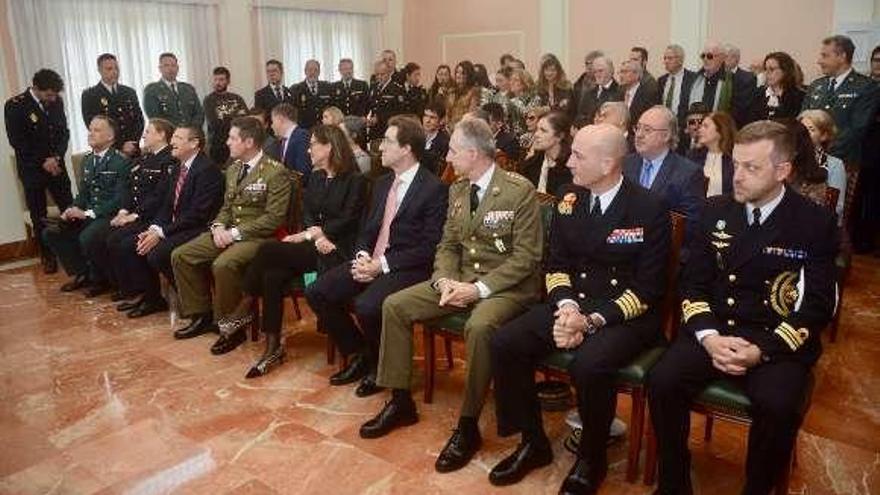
<point x="566" y="206"/>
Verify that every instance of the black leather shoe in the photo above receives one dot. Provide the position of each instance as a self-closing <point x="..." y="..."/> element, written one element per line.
<point x="77" y="283"/>
<point x="129" y="305"/>
<point x="200" y="325"/>
<point x="50" y="265"/>
<point x="118" y="295"/>
<point x="368" y="386"/>
<point x="266" y="363"/>
<point x="583" y="478"/>
<point x="528" y="456"/>
<point x="146" y="308"/>
<point x="356" y="369"/>
<point x="228" y="343"/>
<point x="396" y="413"/>
<point x="97" y="289"/>
<point x="459" y="450"/>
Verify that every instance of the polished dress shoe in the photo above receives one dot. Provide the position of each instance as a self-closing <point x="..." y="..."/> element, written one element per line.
<point x="146" y="308"/>
<point x="118" y="295"/>
<point x="356" y="369"/>
<point x="368" y="386"/>
<point x="459" y="450"/>
<point x="50" y="265"/>
<point x="129" y="305"/>
<point x="527" y="457"/>
<point x="583" y="478"/>
<point x="77" y="283"/>
<point x="266" y="363"/>
<point x="396" y="413"/>
<point x="228" y="343"/>
<point x="200" y="325"/>
<point x="97" y="288"/>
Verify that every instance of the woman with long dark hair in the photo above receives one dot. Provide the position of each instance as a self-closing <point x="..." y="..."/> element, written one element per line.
<point x="551" y="144"/>
<point x="465" y="95"/>
<point x="554" y="88"/>
<point x="715" y="153"/>
<point x="780" y="97"/>
<point x="442" y="85"/>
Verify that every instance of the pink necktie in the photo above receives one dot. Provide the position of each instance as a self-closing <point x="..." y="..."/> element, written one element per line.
<point x="390" y="211"/>
<point x="181" y="179"/>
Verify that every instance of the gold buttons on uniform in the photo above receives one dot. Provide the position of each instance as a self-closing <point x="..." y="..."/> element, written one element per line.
<point x="730" y="301"/>
<point x="731" y="277"/>
<point x="766" y="303"/>
<point x="583" y="275"/>
<point x="582" y="295"/>
<point x="473" y="251"/>
<point x="473" y="238"/>
<point x="614" y="282"/>
<point x="476" y="266"/>
<point x="731" y="323"/>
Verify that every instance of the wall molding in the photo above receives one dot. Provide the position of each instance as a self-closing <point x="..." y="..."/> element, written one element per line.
<point x="520" y="35"/>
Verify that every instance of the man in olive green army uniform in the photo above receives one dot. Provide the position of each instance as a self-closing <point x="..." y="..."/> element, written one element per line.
<point x="257" y="195"/>
<point x="78" y="235"/>
<point x="173" y="100"/>
<point x="487" y="263"/>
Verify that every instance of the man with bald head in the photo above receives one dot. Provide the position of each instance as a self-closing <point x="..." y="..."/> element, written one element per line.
<point x="609" y="240"/>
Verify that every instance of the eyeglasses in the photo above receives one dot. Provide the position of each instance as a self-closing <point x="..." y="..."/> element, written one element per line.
<point x="707" y="56"/>
<point x="646" y="129"/>
<point x="694" y="122"/>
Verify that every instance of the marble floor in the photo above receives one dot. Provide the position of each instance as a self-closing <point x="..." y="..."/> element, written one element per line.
<point x="91" y="402"/>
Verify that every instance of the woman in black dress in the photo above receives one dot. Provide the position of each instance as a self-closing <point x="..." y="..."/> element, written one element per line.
<point x="552" y="144"/>
<point x="780" y="97"/>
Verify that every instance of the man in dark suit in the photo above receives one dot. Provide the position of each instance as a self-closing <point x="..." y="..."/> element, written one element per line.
<point x="505" y="141"/>
<point x="617" y="232"/>
<point x="587" y="80"/>
<point x="606" y="89"/>
<point x="311" y="96"/>
<point x="639" y="54"/>
<point x="395" y="250"/>
<point x="386" y="100"/>
<point x="350" y="94"/>
<point x="193" y="195"/>
<point x="292" y="143"/>
<point x="731" y="63"/>
<point x="637" y="95"/>
<point x="757" y="290"/>
<point x="436" y="137"/>
<point x="675" y="86"/>
<point x="36" y="127"/>
<point x="719" y="90"/>
<point x="274" y="92"/>
<point x="656" y="167"/>
<point x="117" y="101"/>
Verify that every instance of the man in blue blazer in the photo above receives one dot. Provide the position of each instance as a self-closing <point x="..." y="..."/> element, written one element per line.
<point x="395" y="249"/>
<point x="292" y="141"/>
<point x="654" y="165"/>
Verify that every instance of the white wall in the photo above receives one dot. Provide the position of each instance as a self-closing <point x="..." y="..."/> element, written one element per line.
<point x="11" y="224"/>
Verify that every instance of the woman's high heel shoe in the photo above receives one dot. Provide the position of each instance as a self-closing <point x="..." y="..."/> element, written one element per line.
<point x="266" y="363"/>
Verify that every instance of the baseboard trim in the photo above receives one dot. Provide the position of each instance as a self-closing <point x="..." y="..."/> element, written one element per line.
<point x="10" y="251"/>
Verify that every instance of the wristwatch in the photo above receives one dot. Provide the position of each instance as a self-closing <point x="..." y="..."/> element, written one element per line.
<point x="589" y="326"/>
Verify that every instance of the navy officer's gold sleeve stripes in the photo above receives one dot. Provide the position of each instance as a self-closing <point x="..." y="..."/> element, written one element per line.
<point x="556" y="280"/>
<point x="690" y="309"/>
<point x="630" y="305"/>
<point x="793" y="338"/>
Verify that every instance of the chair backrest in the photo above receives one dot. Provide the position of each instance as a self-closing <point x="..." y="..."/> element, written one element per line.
<point x="670" y="312"/>
<point x="293" y="222"/>
<point x="831" y="196"/>
<point x="448" y="175"/>
<point x="852" y="183"/>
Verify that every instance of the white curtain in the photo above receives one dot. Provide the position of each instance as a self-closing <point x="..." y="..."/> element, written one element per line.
<point x="68" y="35"/>
<point x="294" y="36"/>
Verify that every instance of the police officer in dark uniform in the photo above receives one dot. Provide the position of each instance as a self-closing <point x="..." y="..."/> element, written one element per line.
<point x="350" y="94"/>
<point x="311" y="96"/>
<point x="415" y="95"/>
<point x="117" y="101"/>
<point x="757" y="290"/>
<point x="390" y="58"/>
<point x="385" y="101"/>
<point x="609" y="242"/>
<point x="221" y="106"/>
<point x="83" y="225"/>
<point x="37" y="130"/>
<point x="275" y="91"/>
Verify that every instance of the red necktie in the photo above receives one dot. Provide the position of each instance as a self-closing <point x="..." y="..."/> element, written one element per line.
<point x="181" y="178"/>
<point x="390" y="211"/>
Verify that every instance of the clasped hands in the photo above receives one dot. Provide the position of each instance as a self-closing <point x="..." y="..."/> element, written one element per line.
<point x="365" y="269"/>
<point x="73" y="213"/>
<point x="122" y="218"/>
<point x="732" y="355"/>
<point x="458" y="294"/>
<point x="570" y="326"/>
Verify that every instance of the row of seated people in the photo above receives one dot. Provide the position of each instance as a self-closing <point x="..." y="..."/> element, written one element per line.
<point x="756" y="287"/>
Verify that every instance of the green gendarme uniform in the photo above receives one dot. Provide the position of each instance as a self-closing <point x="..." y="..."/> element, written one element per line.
<point x="99" y="193"/>
<point x="498" y="246"/>
<point x="256" y="206"/>
<point x="180" y="108"/>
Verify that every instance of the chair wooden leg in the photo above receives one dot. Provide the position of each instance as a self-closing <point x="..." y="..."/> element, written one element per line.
<point x="255" y="324"/>
<point x="449" y="360"/>
<point x="296" y="310"/>
<point x="650" y="455"/>
<point x="710" y="422"/>
<point x="636" y="429"/>
<point x="428" y="340"/>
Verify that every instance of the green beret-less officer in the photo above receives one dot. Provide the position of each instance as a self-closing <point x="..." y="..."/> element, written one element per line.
<point x="173" y="100"/>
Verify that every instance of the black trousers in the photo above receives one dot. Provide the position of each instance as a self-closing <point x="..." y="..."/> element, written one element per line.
<point x="331" y="296"/>
<point x="104" y="254"/>
<point x="136" y="274"/>
<point x="35" y="187"/>
<point x="273" y="269"/>
<point x="776" y="389"/>
<point x="519" y="345"/>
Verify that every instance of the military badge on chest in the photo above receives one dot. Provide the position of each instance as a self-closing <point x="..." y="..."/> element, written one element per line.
<point x="720" y="240"/>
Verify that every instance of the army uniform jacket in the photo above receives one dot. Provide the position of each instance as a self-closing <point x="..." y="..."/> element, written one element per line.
<point x="853" y="104"/>
<point x="384" y="102"/>
<point x="35" y="134"/>
<point x="220" y="110"/>
<point x="353" y="100"/>
<point x="500" y="245"/>
<point x="183" y="108"/>
<point x="774" y="286"/>
<point x="103" y="183"/>
<point x="615" y="263"/>
<point x="147" y="182"/>
<point x="310" y="105"/>
<point x="257" y="205"/>
<point x="123" y="107"/>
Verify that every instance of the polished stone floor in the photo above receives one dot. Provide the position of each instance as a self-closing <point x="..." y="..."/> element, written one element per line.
<point x="91" y="402"/>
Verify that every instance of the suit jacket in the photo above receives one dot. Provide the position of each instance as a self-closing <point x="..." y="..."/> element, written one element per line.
<point x="311" y="105"/>
<point x="499" y="245"/>
<point x="35" y="135"/>
<point x="687" y="83"/>
<point x="183" y="108"/>
<point x="435" y="153"/>
<point x="645" y="97"/>
<point x="584" y="110"/>
<point x="742" y="93"/>
<point x="417" y="225"/>
<point x="698" y="156"/>
<point x="265" y="99"/>
<point x="679" y="182"/>
<point x="256" y="205"/>
<point x="200" y="198"/>
<point x="557" y="177"/>
<point x="507" y="142"/>
<point x="774" y="286"/>
<point x="123" y="108"/>
<point x="147" y="181"/>
<point x="297" y="156"/>
<point x="613" y="264"/>
<point x="336" y="205"/>
<point x="352" y="101"/>
<point x="853" y="104"/>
